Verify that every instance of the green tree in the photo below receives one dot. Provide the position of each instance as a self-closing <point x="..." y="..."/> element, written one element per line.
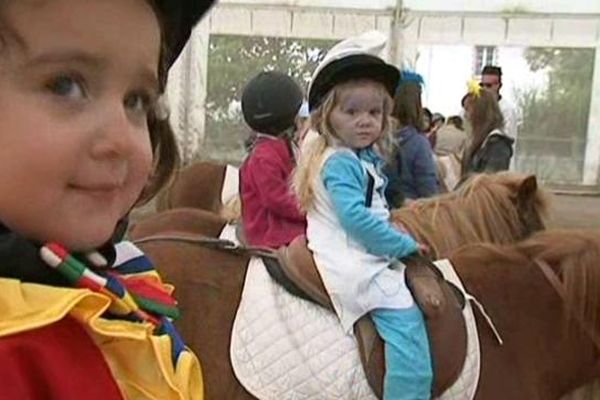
<point x="555" y="118"/>
<point x="233" y="61"/>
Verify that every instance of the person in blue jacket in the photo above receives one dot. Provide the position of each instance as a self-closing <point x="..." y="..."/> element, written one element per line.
<point x="411" y="169"/>
<point x="341" y="187"/>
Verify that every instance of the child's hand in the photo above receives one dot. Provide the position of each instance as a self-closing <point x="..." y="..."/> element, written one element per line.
<point x="424" y="249"/>
<point x="400" y="226"/>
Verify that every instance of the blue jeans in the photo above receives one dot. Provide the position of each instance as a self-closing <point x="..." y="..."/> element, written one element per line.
<point x="409" y="374"/>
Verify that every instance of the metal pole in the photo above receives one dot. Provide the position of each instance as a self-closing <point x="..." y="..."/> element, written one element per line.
<point x="396" y="32"/>
<point x="591" y="164"/>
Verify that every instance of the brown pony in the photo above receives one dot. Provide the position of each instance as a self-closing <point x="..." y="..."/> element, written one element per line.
<point x="191" y="220"/>
<point x="200" y="185"/>
<point x="499" y="208"/>
<point x="547" y="351"/>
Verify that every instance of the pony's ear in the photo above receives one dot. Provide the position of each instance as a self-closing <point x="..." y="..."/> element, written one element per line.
<point x="527" y="187"/>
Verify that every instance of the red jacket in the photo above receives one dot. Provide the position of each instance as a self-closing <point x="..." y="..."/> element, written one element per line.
<point x="270" y="210"/>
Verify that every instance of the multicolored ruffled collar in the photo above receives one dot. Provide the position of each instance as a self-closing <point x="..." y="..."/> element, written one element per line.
<point x="120" y="271"/>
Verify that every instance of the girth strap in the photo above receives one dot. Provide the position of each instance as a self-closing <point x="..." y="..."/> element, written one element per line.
<point x="210" y="242"/>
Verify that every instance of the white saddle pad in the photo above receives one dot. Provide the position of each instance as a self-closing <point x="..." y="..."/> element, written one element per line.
<point x="283" y="347"/>
<point x="231" y="183"/>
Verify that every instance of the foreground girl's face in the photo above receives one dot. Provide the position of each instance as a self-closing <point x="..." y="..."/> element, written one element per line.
<point x="77" y="78"/>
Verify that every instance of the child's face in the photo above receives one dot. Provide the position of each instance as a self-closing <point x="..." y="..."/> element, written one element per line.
<point x="76" y="81"/>
<point x="357" y="118"/>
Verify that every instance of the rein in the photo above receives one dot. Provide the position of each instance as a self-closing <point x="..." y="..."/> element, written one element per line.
<point x="558" y="287"/>
<point x="224" y="245"/>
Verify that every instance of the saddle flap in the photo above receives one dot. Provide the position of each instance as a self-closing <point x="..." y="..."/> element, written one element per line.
<point x="298" y="264"/>
<point x="371" y="350"/>
<point x="442" y="306"/>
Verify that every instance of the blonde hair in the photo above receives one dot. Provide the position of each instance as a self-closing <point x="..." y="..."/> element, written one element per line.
<point x="311" y="157"/>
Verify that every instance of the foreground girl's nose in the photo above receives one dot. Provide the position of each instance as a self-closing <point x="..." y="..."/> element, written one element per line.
<point x="115" y="134"/>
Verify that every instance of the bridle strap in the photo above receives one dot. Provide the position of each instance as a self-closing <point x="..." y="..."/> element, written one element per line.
<point x="559" y="288"/>
<point x="224" y="245"/>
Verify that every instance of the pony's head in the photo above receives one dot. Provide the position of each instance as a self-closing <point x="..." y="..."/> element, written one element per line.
<point x="524" y="203"/>
<point x="500" y="208"/>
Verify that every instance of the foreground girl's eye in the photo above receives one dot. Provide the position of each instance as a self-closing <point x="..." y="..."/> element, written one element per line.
<point x="139" y="102"/>
<point x="67" y="86"/>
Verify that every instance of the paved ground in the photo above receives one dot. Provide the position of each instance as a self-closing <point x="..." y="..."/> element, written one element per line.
<point x="576" y="211"/>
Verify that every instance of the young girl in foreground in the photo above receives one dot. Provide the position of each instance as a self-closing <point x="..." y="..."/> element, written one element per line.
<point x="82" y="142"/>
<point x="355" y="246"/>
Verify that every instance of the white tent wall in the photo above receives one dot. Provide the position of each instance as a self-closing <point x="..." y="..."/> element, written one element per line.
<point x="538" y="6"/>
<point x="546" y="23"/>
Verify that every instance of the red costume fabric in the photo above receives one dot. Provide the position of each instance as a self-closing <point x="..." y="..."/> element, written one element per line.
<point x="270" y="210"/>
<point x="38" y="364"/>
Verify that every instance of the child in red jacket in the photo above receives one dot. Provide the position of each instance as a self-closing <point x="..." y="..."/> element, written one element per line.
<point x="270" y="212"/>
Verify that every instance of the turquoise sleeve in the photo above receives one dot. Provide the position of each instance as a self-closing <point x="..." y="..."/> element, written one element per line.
<point x="345" y="180"/>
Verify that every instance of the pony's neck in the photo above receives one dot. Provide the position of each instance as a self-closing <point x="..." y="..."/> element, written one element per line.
<point x="538" y="345"/>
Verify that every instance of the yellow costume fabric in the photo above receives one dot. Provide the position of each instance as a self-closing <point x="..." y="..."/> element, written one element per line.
<point x="139" y="361"/>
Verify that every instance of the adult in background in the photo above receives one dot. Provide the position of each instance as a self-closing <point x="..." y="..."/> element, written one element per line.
<point x="451" y="137"/>
<point x="491" y="81"/>
<point x="491" y="148"/>
<point x="437" y="121"/>
<point x="426" y="128"/>
<point x="411" y="171"/>
<point x="451" y="143"/>
<point x="456" y="121"/>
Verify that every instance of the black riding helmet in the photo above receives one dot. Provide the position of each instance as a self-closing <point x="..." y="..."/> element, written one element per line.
<point x="270" y="102"/>
<point x="179" y="17"/>
<point x="355" y="66"/>
<point x="353" y="58"/>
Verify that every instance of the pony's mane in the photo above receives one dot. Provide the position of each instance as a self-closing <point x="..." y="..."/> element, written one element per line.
<point x="575" y="254"/>
<point x="484" y="209"/>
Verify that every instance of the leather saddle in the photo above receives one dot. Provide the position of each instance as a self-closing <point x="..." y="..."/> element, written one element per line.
<point x="441" y="303"/>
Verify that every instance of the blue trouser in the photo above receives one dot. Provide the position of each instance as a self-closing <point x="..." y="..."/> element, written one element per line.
<point x="409" y="374"/>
